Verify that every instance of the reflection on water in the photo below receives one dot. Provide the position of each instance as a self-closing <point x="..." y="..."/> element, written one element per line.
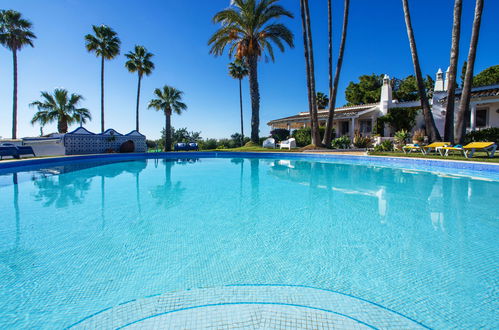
<point x="169" y="193"/>
<point x="439" y="195"/>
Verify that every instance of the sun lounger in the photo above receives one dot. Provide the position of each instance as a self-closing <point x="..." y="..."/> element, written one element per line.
<point x="469" y="149"/>
<point x="424" y="149"/>
<point x="25" y="150"/>
<point x="192" y="146"/>
<point x="269" y="143"/>
<point x="8" y="151"/>
<point x="180" y="147"/>
<point x="290" y="143"/>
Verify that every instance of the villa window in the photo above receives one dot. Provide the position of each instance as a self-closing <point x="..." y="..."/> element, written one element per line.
<point x="366" y="126"/>
<point x="481" y="118"/>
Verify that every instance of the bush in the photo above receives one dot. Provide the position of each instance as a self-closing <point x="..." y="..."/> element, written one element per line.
<point x="341" y="143"/>
<point x="360" y="141"/>
<point x="483" y="135"/>
<point x="398" y="119"/>
<point x="151" y="144"/>
<point x="228" y="144"/>
<point x="418" y="136"/>
<point x="401" y="138"/>
<point x="251" y="144"/>
<point x="303" y="136"/>
<point x="279" y="134"/>
<point x="386" y="145"/>
<point x="208" y="144"/>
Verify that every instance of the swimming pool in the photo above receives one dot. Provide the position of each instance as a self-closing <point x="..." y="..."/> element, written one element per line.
<point x="83" y="241"/>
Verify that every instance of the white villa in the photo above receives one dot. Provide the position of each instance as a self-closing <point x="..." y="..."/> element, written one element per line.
<point x="484" y="110"/>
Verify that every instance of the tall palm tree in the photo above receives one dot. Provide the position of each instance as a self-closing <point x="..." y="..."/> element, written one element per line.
<point x="238" y="70"/>
<point x="60" y="107"/>
<point x="431" y="129"/>
<point x="248" y="30"/>
<point x="451" y="87"/>
<point x="333" y="86"/>
<point x="464" y="103"/>
<point x="139" y="61"/>
<point x="15" y="33"/>
<point x="169" y="100"/>
<point x="309" y="61"/>
<point x="106" y="45"/>
<point x="322" y="100"/>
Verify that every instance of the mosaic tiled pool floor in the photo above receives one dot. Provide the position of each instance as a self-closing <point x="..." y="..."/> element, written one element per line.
<point x="249" y="307"/>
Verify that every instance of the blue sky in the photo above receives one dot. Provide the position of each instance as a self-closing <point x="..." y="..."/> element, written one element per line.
<point x="177" y="33"/>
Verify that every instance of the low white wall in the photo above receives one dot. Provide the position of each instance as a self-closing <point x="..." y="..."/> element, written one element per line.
<point x="47" y="148"/>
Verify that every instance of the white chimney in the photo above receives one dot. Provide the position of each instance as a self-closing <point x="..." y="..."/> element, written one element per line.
<point x="439" y="82"/>
<point x="386" y="95"/>
<point x="446" y="81"/>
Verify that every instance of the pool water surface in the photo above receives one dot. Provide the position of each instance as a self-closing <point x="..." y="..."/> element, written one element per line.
<point x="83" y="237"/>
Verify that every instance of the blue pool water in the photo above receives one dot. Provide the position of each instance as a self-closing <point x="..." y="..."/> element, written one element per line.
<point x="80" y="237"/>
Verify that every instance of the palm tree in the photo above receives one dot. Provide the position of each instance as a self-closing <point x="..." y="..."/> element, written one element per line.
<point x="333" y="86"/>
<point x="169" y="99"/>
<point x="451" y="87"/>
<point x="464" y="103"/>
<point x="322" y="100"/>
<point x="40" y="117"/>
<point x="431" y="129"/>
<point x="309" y="61"/>
<point x="106" y="44"/>
<point x="248" y="30"/>
<point x="139" y="61"/>
<point x="15" y="33"/>
<point x="60" y="107"/>
<point x="238" y="70"/>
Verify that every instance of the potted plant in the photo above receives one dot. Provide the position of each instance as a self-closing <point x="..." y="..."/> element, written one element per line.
<point x="418" y="136"/>
<point x="401" y="138"/>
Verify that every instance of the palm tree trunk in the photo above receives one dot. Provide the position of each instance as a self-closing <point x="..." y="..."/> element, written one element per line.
<point x="333" y="88"/>
<point x="102" y="95"/>
<point x="137" y="108"/>
<point x="14" y="96"/>
<point x="62" y="126"/>
<point x="241" y="108"/>
<point x="464" y="103"/>
<point x="255" y="97"/>
<point x="451" y="89"/>
<point x="309" y="59"/>
<point x="431" y="129"/>
<point x="168" y="132"/>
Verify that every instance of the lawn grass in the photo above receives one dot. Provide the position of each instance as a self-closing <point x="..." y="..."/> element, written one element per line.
<point x="477" y="157"/>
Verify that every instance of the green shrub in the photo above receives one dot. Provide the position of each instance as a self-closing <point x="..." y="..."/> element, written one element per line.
<point x="341" y="143"/>
<point x="151" y="144"/>
<point x="360" y="141"/>
<point x="483" y="135"/>
<point x="418" y="136"/>
<point x="386" y="145"/>
<point x="227" y="144"/>
<point x="398" y="119"/>
<point x="279" y="134"/>
<point x="401" y="138"/>
<point x="208" y="144"/>
<point x="250" y="144"/>
<point x="303" y="136"/>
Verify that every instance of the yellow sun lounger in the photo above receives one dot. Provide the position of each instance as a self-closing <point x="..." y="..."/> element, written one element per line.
<point x="469" y="149"/>
<point x="424" y="149"/>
